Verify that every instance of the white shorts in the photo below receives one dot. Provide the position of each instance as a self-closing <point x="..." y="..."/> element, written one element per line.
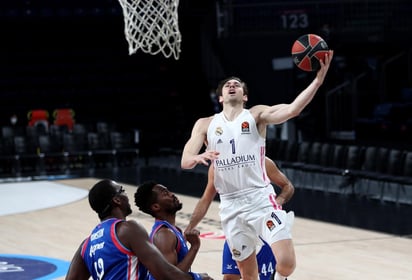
<point x="250" y="214"/>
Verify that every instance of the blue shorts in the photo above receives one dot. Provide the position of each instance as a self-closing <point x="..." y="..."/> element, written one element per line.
<point x="265" y="259"/>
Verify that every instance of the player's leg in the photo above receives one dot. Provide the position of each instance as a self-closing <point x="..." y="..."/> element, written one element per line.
<point x="231" y="276"/>
<point x="242" y="243"/>
<point x="275" y="228"/>
<point x="230" y="270"/>
<point x="241" y="235"/>
<point x="249" y="268"/>
<point x="283" y="248"/>
<point x="285" y="258"/>
<point x="266" y="262"/>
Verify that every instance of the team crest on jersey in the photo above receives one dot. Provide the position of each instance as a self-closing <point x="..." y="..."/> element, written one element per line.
<point x="218" y="131"/>
<point x="245" y="127"/>
<point x="235" y="253"/>
<point x="271" y="225"/>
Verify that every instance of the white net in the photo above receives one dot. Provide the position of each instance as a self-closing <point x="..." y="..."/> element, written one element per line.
<point x="152" y="26"/>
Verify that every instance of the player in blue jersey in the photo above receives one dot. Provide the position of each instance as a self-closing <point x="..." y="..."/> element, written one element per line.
<point x="156" y="200"/>
<point x="265" y="258"/>
<point x="118" y="248"/>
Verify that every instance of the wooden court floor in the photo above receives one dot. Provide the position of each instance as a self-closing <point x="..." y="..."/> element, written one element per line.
<point x="324" y="251"/>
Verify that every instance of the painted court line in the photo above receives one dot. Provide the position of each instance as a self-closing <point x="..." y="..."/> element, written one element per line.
<point x="30" y="196"/>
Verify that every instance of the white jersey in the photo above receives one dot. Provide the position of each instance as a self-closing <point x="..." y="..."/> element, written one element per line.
<point x="241" y="163"/>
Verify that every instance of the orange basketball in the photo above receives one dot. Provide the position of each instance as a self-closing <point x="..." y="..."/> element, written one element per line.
<point x="307" y="50"/>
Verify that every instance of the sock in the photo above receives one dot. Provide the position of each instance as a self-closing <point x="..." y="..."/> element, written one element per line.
<point x="279" y="276"/>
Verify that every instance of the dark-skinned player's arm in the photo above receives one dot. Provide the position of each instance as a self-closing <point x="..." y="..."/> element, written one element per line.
<point x="204" y="202"/>
<point x="279" y="179"/>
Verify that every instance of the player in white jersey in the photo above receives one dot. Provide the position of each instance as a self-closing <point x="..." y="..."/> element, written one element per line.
<point x="235" y="141"/>
<point x="265" y="258"/>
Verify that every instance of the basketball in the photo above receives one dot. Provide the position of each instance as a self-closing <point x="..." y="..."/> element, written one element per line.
<point x="307" y="50"/>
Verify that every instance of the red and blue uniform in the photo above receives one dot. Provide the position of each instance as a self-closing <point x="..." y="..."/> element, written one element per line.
<point x="181" y="246"/>
<point x="107" y="258"/>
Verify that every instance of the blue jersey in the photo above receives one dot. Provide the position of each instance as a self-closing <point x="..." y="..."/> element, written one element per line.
<point x="181" y="247"/>
<point x="107" y="258"/>
<point x="265" y="259"/>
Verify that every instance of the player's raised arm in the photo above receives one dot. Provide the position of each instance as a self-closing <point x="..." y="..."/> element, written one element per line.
<point x="280" y="113"/>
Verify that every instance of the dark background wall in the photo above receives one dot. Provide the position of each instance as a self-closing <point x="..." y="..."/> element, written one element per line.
<point x="74" y="54"/>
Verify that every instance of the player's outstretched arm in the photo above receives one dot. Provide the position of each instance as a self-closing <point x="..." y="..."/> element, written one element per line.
<point x="135" y="236"/>
<point x="282" y="112"/>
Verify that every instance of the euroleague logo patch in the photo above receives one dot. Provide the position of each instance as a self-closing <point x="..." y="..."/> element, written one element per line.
<point x="245" y="127"/>
<point x="270" y="225"/>
<point x="14" y="267"/>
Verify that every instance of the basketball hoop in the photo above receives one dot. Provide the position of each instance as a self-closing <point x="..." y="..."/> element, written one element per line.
<point x="152" y="26"/>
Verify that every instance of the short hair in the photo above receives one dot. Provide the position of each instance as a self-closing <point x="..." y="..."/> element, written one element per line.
<point x="100" y="195"/>
<point x="144" y="197"/>
<point x="223" y="82"/>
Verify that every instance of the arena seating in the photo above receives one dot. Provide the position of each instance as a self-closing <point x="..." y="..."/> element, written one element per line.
<point x="62" y="151"/>
<point x="373" y="172"/>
